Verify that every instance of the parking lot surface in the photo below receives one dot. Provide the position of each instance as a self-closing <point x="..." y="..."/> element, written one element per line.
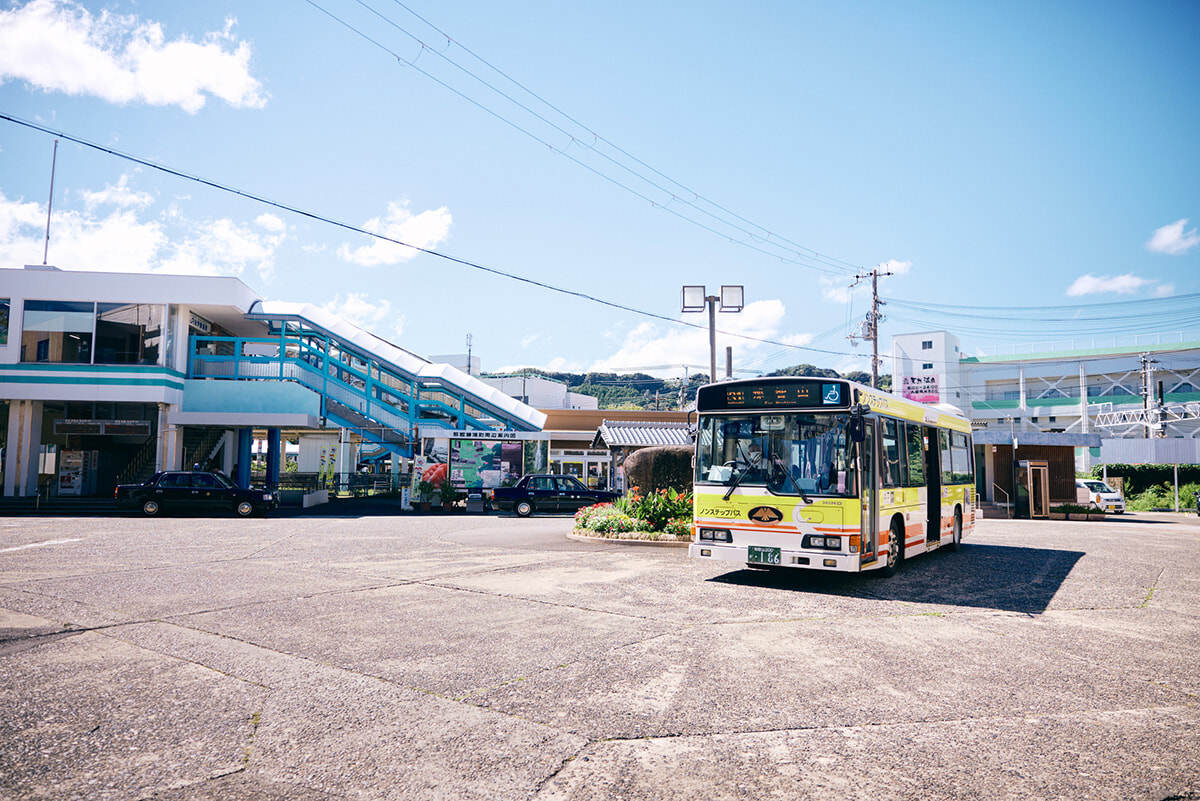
<point x="472" y="657"/>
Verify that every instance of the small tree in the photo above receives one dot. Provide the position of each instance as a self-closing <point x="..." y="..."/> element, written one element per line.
<point x="448" y="492"/>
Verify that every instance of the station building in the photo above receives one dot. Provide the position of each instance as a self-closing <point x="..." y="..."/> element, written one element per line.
<point x="1073" y="406"/>
<point x="108" y="377"/>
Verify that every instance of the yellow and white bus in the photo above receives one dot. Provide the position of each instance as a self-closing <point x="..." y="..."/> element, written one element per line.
<point x="826" y="474"/>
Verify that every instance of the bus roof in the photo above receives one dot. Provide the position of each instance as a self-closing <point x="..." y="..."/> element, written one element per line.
<point x="847" y="394"/>
<point x="941" y="415"/>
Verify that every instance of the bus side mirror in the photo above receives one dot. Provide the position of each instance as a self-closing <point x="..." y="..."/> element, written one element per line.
<point x="857" y="429"/>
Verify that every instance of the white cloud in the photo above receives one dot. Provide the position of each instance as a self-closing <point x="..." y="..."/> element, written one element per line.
<point x="223" y="247"/>
<point x="1127" y="284"/>
<point x="368" y="315"/>
<point x="657" y="350"/>
<point x="118" y="242"/>
<point x="526" y="341"/>
<point x="425" y="230"/>
<point x="358" y="310"/>
<point x="1173" y="240"/>
<point x="60" y="46"/>
<point x="121" y="242"/>
<point x="271" y="223"/>
<point x="120" y="196"/>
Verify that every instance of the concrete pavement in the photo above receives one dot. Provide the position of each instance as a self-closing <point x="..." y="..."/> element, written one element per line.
<point x="455" y="657"/>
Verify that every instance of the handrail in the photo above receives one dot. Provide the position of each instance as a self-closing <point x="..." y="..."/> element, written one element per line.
<point x="1007" y="504"/>
<point x="48" y="482"/>
<point x="148" y="450"/>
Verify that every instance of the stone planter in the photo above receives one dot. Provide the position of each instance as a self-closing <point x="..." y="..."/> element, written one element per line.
<point x="1058" y="515"/>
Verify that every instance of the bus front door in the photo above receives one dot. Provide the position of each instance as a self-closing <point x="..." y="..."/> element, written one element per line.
<point x="933" y="483"/>
<point x="868" y="481"/>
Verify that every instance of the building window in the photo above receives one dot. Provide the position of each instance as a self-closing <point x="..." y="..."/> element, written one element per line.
<point x="58" y="331"/>
<point x="927" y="344"/>
<point x="4" y="304"/>
<point x="927" y="366"/>
<point x="128" y="333"/>
<point x="72" y="332"/>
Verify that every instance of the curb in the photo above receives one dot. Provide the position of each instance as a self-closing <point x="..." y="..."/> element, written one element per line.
<point x="610" y="540"/>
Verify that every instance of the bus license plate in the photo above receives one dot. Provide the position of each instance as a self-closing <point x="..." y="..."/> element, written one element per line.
<point x="763" y="556"/>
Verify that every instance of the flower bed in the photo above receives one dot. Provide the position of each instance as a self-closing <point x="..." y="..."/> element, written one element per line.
<point x="663" y="516"/>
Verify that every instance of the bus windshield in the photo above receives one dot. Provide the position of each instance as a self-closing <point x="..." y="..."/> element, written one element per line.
<point x="789" y="454"/>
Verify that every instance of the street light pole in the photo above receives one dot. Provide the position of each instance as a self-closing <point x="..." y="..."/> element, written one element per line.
<point x="712" y="338"/>
<point x="696" y="298"/>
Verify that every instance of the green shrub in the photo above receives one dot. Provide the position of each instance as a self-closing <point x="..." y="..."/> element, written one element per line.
<point x="605" y="518"/>
<point x="662" y="515"/>
<point x="1141" y="477"/>
<point x="658" y="508"/>
<point x="1156" y="497"/>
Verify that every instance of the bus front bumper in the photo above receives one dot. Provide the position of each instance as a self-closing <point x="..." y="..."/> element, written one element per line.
<point x="804" y="560"/>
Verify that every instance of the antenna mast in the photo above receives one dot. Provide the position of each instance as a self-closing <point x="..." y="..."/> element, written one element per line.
<point x="50" y="203"/>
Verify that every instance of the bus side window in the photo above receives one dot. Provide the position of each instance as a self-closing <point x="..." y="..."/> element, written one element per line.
<point x="916" y="455"/>
<point x="961" y="454"/>
<point x="944" y="443"/>
<point x="892" y="450"/>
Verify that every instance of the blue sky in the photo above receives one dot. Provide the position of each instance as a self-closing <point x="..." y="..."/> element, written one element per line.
<point x="1017" y="154"/>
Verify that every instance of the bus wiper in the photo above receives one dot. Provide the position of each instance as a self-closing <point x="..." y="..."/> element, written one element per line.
<point x="734" y="484"/>
<point x="791" y="478"/>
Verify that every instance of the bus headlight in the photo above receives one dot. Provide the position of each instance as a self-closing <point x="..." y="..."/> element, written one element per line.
<point x="716" y="534"/>
<point x="826" y="543"/>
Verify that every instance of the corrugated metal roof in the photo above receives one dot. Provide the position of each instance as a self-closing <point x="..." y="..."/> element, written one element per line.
<point x="1001" y="437"/>
<point x="634" y="434"/>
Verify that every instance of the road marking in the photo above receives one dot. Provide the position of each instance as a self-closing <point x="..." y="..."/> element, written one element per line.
<point x="38" y="545"/>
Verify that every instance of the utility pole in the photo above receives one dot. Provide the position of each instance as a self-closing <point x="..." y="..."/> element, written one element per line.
<point x="870" y="327"/>
<point x="1148" y="391"/>
<point x="468" y="354"/>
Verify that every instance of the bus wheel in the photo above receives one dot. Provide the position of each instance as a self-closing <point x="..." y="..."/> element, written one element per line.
<point x="893" y="553"/>
<point x="956" y="538"/>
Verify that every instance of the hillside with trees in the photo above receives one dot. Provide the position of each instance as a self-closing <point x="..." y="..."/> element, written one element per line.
<point x="642" y="391"/>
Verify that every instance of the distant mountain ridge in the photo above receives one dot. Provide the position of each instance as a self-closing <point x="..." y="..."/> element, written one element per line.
<point x="643" y="391"/>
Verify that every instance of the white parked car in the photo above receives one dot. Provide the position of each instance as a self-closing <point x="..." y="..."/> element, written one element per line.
<point x="1092" y="492"/>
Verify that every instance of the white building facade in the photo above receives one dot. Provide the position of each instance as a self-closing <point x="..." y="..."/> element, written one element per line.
<point x="1143" y="391"/>
<point x="106" y="377"/>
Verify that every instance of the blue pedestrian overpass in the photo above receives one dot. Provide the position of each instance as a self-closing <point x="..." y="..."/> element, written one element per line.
<point x="356" y="380"/>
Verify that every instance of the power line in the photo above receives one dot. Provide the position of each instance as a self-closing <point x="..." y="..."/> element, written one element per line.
<point x="348" y="227"/>
<point x="760" y="239"/>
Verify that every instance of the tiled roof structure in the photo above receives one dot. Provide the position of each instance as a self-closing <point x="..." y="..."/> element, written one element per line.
<point x="633" y="434"/>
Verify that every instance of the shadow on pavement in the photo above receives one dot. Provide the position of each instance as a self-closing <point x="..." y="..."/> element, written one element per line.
<point x="999" y="577"/>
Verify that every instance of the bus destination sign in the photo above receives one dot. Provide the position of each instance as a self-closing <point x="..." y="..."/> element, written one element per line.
<point x="773" y="394"/>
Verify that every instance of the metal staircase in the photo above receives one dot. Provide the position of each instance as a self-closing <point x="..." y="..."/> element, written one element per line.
<point x="366" y="384"/>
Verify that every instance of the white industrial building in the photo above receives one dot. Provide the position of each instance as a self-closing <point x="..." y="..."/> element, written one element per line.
<point x="1142" y="398"/>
